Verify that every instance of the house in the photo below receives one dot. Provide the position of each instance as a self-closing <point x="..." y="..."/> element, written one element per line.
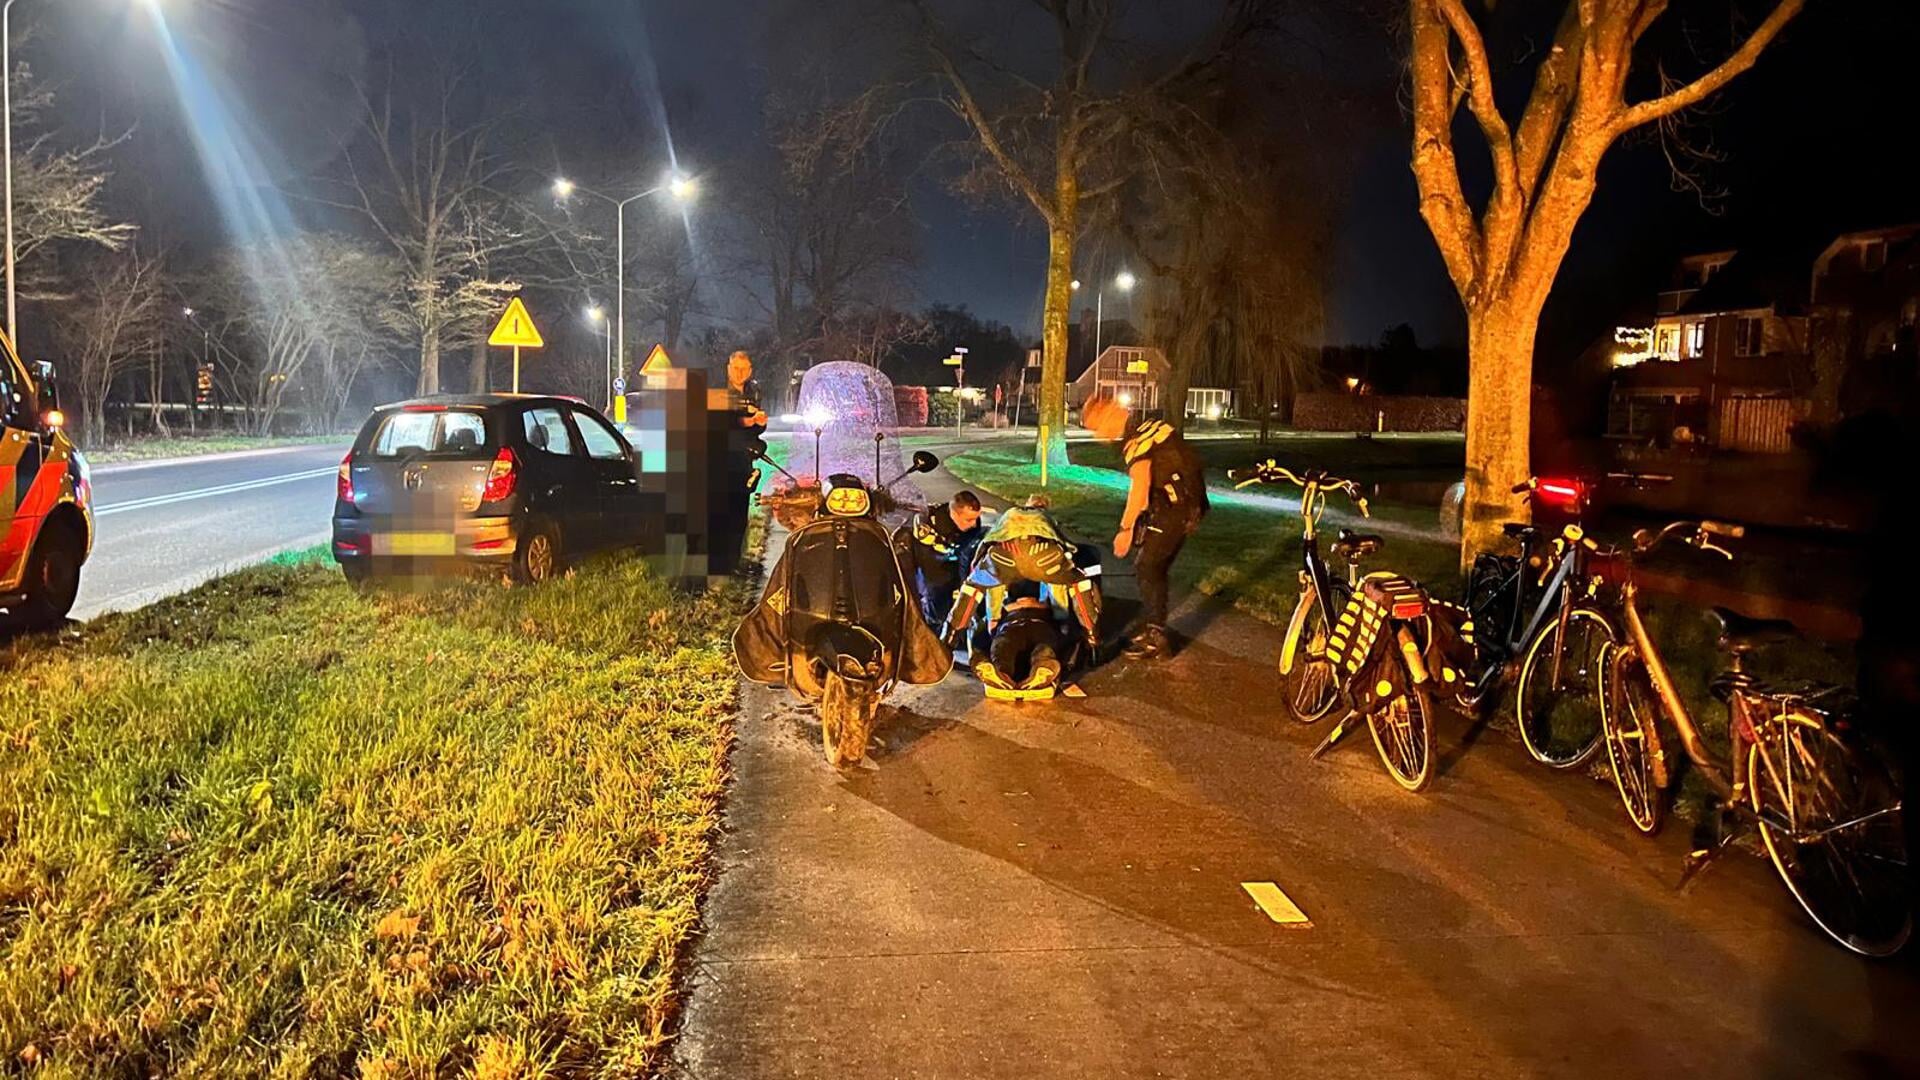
<point x="1725" y="363"/>
<point x="1748" y="345"/>
<point x="1136" y="377"/>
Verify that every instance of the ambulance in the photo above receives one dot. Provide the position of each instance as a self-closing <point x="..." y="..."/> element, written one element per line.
<point x="46" y="514"/>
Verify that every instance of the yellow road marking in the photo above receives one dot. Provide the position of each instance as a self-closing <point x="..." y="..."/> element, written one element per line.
<point x="1277" y="905"/>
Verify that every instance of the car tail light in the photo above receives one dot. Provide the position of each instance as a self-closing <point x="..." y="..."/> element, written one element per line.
<point x="501" y="476"/>
<point x="344" y="487"/>
<point x="1561" y="494"/>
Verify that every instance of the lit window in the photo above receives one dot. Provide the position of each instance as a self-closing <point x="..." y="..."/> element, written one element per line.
<point x="1666" y="343"/>
<point x="1748" y="337"/>
<point x="1696" y="337"/>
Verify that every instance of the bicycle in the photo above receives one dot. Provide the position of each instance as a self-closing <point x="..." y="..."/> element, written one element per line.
<point x="1558" y="643"/>
<point x="1826" y="806"/>
<point x="1363" y="641"/>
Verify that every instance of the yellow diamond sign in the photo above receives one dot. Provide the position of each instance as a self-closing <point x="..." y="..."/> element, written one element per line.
<point x="516" y="329"/>
<point x="657" y="362"/>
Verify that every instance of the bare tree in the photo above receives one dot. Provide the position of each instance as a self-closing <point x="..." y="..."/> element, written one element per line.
<point x="1503" y="257"/>
<point x="309" y="309"/>
<point x="426" y="178"/>
<point x="112" y="317"/>
<point x="1064" y="137"/>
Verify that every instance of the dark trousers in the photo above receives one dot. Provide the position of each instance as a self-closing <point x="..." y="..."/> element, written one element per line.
<point x="1021" y="641"/>
<point x="935" y="578"/>
<point x="1153" y="560"/>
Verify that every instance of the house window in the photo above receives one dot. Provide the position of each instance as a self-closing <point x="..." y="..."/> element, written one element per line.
<point x="1666" y="342"/>
<point x="1873" y="255"/>
<point x="1696" y="339"/>
<point x="1748" y="334"/>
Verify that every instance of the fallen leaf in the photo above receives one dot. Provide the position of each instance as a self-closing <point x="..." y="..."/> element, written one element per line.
<point x="397" y="924"/>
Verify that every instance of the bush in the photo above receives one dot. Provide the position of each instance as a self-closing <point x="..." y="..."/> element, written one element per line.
<point x="940" y="410"/>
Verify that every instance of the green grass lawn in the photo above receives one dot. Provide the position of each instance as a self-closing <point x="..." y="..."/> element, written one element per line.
<point x="1246" y="554"/>
<point x="275" y="827"/>
<point x="149" y="449"/>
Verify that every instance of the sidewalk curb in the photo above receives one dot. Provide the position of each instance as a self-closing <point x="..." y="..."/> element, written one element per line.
<point x="224" y="455"/>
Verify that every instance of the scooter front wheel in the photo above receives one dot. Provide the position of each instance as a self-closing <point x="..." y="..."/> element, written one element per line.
<point x="847" y="710"/>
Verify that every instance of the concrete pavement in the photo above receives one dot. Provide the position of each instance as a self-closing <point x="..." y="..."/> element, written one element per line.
<point x="1056" y="891"/>
<point x="164" y="527"/>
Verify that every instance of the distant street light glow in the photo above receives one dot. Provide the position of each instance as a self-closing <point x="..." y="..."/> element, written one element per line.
<point x="683" y="188"/>
<point x="1126" y="281"/>
<point x="1074" y="284"/>
<point x="1126" y="401"/>
<point x="562" y="188"/>
<point x="596" y="313"/>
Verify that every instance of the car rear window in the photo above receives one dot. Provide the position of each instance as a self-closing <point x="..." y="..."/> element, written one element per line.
<point x="450" y="433"/>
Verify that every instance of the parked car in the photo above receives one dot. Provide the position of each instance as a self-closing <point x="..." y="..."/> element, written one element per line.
<point x="518" y="483"/>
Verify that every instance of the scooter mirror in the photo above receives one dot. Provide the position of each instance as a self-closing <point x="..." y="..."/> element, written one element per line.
<point x="924" y="461"/>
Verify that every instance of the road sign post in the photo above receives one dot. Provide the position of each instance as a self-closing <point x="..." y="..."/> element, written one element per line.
<point x="516" y="331"/>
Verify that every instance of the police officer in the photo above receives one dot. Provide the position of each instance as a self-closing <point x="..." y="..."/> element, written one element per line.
<point x="936" y="550"/>
<point x="1166" y="499"/>
<point x="747" y="422"/>
<point x="1026" y="545"/>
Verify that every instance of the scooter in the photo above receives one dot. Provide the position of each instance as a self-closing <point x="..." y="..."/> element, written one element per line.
<point x="836" y="624"/>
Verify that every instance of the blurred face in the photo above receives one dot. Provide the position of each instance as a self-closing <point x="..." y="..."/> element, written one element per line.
<point x="964" y="517"/>
<point x="739" y="370"/>
<point x="1106" y="418"/>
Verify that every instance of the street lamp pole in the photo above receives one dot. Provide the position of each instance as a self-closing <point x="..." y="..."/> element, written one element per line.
<point x="6" y="106"/>
<point x="680" y="187"/>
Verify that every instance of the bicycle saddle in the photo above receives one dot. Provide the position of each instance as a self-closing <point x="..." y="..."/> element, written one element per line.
<point x="1743" y="633"/>
<point x="1357" y="546"/>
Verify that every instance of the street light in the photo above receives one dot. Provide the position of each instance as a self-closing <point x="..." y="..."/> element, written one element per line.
<point x="680" y="186"/>
<point x="1125" y="283"/>
<point x="598" y="316"/>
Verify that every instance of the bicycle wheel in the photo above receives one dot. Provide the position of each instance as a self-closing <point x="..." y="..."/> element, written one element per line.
<point x="1307" y="674"/>
<point x="1843" y="852"/>
<point x="1628" y="711"/>
<point x="1403" y="733"/>
<point x="1560" y="719"/>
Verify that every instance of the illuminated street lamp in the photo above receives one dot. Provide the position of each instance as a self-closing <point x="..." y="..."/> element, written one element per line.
<point x="681" y="187"/>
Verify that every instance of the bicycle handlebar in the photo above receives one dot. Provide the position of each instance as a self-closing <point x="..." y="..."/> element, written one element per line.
<point x="1272" y="472"/>
<point x="1698" y="535"/>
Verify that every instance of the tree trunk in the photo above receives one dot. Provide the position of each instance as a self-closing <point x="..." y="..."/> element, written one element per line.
<point x="1050" y="444"/>
<point x="429" y="382"/>
<point x="477" y="378"/>
<point x="1499" y="416"/>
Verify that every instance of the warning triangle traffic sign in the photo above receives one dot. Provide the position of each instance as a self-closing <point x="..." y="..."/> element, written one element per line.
<point x="657" y="362"/>
<point x="516" y="329"/>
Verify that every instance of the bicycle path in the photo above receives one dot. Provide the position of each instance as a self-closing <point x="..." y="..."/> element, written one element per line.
<point x="1057" y="891"/>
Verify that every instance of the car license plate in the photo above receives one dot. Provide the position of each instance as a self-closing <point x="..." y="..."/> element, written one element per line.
<point x="415" y="543"/>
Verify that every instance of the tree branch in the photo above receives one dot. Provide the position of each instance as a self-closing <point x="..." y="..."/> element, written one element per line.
<point x="1696" y="91"/>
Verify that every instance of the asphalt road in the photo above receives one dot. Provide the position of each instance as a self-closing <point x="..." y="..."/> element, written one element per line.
<point x="1059" y="890"/>
<point x="164" y="527"/>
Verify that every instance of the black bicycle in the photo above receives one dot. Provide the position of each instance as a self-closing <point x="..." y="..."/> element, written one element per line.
<point x="1543" y="611"/>
<point x="1358" y="640"/>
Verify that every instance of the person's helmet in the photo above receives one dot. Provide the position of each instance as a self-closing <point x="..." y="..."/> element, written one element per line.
<point x="1149" y="435"/>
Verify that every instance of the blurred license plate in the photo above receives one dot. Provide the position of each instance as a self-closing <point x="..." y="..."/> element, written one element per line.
<point x="414" y="543"/>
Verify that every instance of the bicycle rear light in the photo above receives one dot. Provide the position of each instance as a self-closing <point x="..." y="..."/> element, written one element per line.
<point x="1561" y="493"/>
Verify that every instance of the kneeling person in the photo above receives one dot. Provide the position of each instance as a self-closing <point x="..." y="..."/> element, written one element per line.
<point x="936" y="549"/>
<point x="1026" y="643"/>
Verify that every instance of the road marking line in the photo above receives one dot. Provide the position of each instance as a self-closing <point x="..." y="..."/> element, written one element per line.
<point x="1277" y="906"/>
<point x="206" y="493"/>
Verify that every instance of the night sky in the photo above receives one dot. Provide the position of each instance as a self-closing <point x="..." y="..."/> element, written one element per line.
<point x="1815" y="138"/>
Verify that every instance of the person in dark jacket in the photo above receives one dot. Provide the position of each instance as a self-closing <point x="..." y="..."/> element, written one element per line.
<point x="1166" y="500"/>
<point x="746" y="422"/>
<point x="936" y="549"/>
<point x="1027" y="646"/>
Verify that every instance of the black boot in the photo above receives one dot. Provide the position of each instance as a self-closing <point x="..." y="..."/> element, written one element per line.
<point x="1149" y="644"/>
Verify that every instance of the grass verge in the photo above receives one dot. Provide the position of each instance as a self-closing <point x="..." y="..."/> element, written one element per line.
<point x="275" y="827"/>
<point x="149" y="449"/>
